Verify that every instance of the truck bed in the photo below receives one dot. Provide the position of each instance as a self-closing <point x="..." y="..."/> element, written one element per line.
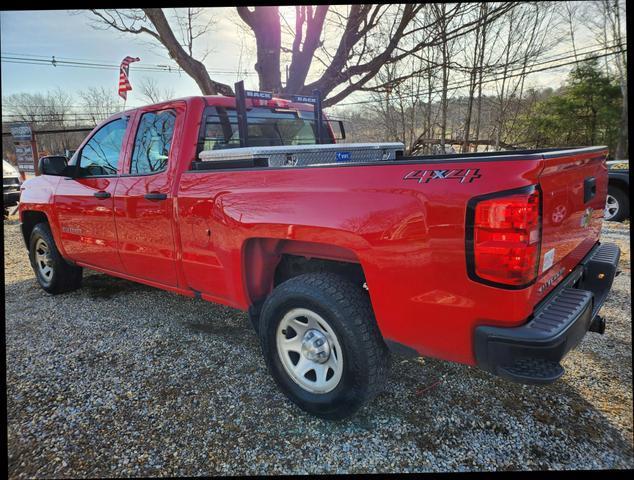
<point x="256" y="157"/>
<point x="404" y="220"/>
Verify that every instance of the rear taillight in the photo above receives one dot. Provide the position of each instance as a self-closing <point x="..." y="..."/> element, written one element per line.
<point x="504" y="238"/>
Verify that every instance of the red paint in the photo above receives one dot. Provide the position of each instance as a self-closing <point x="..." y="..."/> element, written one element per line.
<point x="221" y="233"/>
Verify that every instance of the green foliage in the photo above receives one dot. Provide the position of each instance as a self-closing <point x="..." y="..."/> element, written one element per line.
<point x="585" y="112"/>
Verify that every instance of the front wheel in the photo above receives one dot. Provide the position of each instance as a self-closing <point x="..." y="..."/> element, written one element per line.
<point x="53" y="273"/>
<point x="322" y="345"/>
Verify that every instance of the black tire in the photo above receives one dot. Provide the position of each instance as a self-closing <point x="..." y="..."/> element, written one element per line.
<point x="623" y="202"/>
<point x="347" y="310"/>
<point x="63" y="276"/>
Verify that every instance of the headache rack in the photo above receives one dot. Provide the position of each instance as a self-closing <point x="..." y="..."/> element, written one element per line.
<point x="321" y="153"/>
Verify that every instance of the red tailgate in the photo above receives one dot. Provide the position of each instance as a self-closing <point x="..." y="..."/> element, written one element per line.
<point x="574" y="186"/>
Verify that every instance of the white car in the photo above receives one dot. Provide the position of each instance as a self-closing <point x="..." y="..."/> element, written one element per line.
<point x="10" y="186"/>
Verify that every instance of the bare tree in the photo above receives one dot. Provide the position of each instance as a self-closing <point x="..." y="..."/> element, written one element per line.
<point x="265" y="23"/>
<point x="474" y="57"/>
<point x="152" y="93"/>
<point x="50" y="110"/>
<point x="484" y="31"/>
<point x="431" y="78"/>
<point x="153" y="22"/>
<point x="192" y="25"/>
<point x="569" y="13"/>
<point x="370" y="37"/>
<point x="99" y="103"/>
<point x="399" y="94"/>
<point x="52" y="107"/>
<point x="521" y="48"/>
<point x="605" y="18"/>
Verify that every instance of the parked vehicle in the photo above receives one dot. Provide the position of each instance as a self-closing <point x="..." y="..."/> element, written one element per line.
<point x="10" y="186"/>
<point x="338" y="254"/>
<point x="617" y="202"/>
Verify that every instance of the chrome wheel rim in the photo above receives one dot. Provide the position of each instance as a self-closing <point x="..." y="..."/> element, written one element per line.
<point x="611" y="207"/>
<point x="309" y="350"/>
<point x="43" y="259"/>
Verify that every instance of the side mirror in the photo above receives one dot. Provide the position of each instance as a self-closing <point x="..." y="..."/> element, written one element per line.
<point x="53" y="165"/>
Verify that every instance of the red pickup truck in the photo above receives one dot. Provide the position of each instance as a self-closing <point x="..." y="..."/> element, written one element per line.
<point x="488" y="259"/>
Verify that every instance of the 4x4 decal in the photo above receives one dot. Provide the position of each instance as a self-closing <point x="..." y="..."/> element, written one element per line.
<point x="463" y="175"/>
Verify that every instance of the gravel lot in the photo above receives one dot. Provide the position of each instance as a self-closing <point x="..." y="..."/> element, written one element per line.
<point x="119" y="379"/>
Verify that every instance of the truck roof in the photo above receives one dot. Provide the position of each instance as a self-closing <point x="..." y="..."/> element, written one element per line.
<point x="230" y="102"/>
<point x="225" y="101"/>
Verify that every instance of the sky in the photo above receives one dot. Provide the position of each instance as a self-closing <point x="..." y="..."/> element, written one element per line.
<point x="69" y="36"/>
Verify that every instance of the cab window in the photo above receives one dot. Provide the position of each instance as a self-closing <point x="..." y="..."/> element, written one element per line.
<point x="266" y="127"/>
<point x="100" y="156"/>
<point x="152" y="143"/>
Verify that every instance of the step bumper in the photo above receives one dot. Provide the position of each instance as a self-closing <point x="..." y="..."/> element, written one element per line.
<point x="531" y="353"/>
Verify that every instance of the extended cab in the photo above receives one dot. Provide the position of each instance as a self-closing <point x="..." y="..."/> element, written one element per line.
<point x="488" y="259"/>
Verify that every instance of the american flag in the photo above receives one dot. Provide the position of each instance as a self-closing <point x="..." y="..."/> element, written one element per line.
<point x="124" y="82"/>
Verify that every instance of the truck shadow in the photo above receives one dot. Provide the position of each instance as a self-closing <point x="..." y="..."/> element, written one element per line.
<point x="105" y="287"/>
<point x="433" y="404"/>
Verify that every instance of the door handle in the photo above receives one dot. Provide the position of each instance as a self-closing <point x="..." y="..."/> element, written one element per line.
<point x="102" y="194"/>
<point x="155" y="196"/>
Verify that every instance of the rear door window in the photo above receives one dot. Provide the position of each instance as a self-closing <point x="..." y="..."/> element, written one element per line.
<point x="153" y="142"/>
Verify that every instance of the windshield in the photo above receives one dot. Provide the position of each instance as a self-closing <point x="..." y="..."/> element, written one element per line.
<point x="265" y="126"/>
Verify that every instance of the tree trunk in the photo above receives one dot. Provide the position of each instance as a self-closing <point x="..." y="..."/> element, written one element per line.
<point x="622" y="150"/>
<point x="303" y="52"/>
<point x="265" y="23"/>
<point x="622" y="145"/>
<point x="445" y="81"/>
<point x="480" y="72"/>
<point x="428" y="126"/>
<point x="190" y="65"/>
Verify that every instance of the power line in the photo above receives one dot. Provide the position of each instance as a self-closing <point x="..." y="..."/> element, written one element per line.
<point x="57" y="62"/>
<point x="455" y="86"/>
<point x="465" y="85"/>
<point x="18" y="58"/>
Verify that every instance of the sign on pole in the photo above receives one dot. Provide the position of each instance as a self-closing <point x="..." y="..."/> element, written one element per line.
<point x="24" y="157"/>
<point x="25" y="147"/>
<point x="21" y="132"/>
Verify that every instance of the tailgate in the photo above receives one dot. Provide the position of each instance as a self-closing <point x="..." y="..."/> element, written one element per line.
<point x="574" y="186"/>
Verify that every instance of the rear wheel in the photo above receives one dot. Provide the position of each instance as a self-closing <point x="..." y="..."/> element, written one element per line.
<point x="53" y="273"/>
<point x="617" y="206"/>
<point x="322" y="345"/>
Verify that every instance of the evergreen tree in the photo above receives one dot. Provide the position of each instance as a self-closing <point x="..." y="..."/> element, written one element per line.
<point x="585" y="112"/>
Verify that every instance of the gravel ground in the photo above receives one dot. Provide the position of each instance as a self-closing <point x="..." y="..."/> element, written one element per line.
<point x="119" y="379"/>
